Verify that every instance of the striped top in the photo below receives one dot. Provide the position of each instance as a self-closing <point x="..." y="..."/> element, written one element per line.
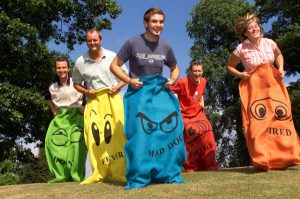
<point x="252" y="56"/>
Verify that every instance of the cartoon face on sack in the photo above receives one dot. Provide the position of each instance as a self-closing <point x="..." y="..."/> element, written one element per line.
<point x="105" y="132"/>
<point x="270" y="108"/>
<point x="195" y="130"/>
<point x="157" y="125"/>
<point x="166" y="125"/>
<point x="103" y="129"/>
<point x="154" y="129"/>
<point x="105" y="139"/>
<point x="62" y="140"/>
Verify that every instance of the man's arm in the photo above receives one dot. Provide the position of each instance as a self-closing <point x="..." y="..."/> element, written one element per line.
<point x="117" y="87"/>
<point x="77" y="80"/>
<point x="52" y="107"/>
<point x="174" y="75"/>
<point x="121" y="83"/>
<point x="80" y="88"/>
<point x="116" y="70"/>
<point x="202" y="101"/>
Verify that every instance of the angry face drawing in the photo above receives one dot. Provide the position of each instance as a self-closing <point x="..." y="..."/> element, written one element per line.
<point x="155" y="149"/>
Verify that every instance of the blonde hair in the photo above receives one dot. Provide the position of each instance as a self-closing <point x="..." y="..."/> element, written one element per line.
<point x="241" y="23"/>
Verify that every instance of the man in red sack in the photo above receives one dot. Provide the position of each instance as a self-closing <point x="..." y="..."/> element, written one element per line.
<point x="198" y="135"/>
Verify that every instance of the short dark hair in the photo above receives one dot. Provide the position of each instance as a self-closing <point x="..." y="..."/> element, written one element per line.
<point x="61" y="59"/>
<point x="94" y="30"/>
<point x="153" y="11"/>
<point x="195" y="63"/>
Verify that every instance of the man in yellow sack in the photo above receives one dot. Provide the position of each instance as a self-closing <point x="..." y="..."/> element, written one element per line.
<point x="103" y="115"/>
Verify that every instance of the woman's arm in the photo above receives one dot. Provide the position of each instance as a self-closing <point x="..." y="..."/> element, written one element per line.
<point x="232" y="62"/>
<point x="279" y="60"/>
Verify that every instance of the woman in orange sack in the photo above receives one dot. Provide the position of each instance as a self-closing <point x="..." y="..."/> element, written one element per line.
<point x="271" y="137"/>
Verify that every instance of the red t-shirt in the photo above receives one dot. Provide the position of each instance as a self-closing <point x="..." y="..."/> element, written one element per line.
<point x="189" y="95"/>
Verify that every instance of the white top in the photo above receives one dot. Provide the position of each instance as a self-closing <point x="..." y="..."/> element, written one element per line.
<point x="65" y="95"/>
<point x="97" y="75"/>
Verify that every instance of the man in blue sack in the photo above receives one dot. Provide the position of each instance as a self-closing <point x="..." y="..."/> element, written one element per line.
<point x="155" y="149"/>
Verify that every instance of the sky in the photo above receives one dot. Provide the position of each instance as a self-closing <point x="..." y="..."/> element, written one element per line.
<point x="130" y="23"/>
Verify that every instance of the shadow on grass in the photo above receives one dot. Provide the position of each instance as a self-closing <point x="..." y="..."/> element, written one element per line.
<point x="245" y="170"/>
<point x="252" y="170"/>
<point x="115" y="183"/>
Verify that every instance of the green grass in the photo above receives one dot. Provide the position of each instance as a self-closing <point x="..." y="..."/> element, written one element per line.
<point x="244" y="182"/>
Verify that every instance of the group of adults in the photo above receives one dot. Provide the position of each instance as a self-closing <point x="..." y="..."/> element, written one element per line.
<point x="150" y="134"/>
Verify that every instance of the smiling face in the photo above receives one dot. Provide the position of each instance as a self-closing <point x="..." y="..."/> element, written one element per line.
<point x="155" y="25"/>
<point x="101" y="128"/>
<point x="196" y="73"/>
<point x="252" y="30"/>
<point x="93" y="41"/>
<point x="62" y="69"/>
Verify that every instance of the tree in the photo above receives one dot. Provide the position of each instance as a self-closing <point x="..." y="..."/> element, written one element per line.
<point x="294" y="92"/>
<point x="286" y="32"/>
<point x="36" y="171"/>
<point x="7" y="173"/>
<point x="285" y="29"/>
<point x="211" y="27"/>
<point x="27" y="64"/>
<point x="10" y="167"/>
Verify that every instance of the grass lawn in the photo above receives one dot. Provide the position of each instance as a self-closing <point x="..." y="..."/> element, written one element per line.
<point x="243" y="182"/>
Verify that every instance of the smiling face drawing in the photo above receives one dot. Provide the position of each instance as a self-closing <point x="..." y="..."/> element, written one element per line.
<point x="106" y="131"/>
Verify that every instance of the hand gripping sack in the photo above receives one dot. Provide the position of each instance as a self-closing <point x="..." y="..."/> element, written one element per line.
<point x="104" y="136"/>
<point x="155" y="148"/>
<point x="271" y="137"/>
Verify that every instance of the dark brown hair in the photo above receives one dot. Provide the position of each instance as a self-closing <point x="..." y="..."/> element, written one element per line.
<point x="152" y="11"/>
<point x="61" y="59"/>
<point x="195" y="63"/>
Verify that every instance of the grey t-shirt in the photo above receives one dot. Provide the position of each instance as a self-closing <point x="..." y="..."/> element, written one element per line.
<point x="146" y="58"/>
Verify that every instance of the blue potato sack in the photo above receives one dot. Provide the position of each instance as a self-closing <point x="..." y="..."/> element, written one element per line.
<point x="155" y="148"/>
